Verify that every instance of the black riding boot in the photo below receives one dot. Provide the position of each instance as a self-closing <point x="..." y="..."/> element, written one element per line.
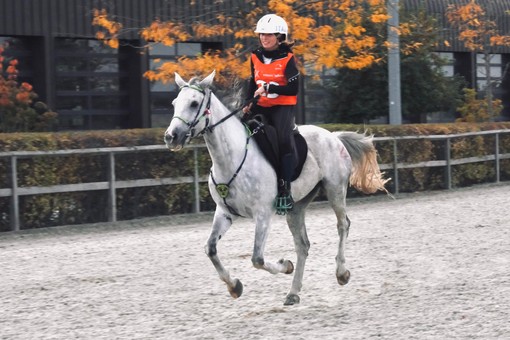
<point x="284" y="202"/>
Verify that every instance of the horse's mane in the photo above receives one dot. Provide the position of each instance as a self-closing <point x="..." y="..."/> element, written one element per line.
<point x="231" y="96"/>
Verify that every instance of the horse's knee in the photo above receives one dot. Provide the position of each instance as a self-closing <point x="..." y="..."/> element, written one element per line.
<point x="343" y="226"/>
<point x="210" y="248"/>
<point x="258" y="262"/>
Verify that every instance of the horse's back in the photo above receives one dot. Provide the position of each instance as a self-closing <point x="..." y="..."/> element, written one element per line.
<point x="319" y="140"/>
<point x="327" y="160"/>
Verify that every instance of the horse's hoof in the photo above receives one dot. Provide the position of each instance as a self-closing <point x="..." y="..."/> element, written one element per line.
<point x="290" y="266"/>
<point x="237" y="290"/>
<point x="344" y="278"/>
<point x="292" y="299"/>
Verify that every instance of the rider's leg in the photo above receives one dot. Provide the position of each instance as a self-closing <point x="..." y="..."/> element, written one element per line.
<point x="283" y="121"/>
<point x="284" y="201"/>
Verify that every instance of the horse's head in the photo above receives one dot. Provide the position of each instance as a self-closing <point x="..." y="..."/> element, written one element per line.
<point x="191" y="110"/>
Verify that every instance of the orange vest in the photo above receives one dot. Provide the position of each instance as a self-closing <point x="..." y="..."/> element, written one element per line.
<point x="273" y="74"/>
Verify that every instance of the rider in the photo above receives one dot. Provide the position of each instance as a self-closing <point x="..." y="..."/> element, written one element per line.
<point x="275" y="79"/>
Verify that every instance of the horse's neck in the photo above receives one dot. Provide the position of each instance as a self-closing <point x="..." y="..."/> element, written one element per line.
<point x="227" y="141"/>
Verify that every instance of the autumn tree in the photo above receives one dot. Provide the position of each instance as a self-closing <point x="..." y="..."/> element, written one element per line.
<point x="329" y="33"/>
<point x="480" y="34"/>
<point x="18" y="112"/>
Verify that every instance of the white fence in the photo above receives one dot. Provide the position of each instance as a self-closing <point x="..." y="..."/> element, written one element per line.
<point x="111" y="185"/>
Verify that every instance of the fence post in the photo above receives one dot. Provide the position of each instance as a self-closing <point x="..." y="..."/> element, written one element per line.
<point x="496" y="158"/>
<point x="448" y="164"/>
<point x="112" y="197"/>
<point x="196" y="178"/>
<point x="395" y="166"/>
<point x="14" y="197"/>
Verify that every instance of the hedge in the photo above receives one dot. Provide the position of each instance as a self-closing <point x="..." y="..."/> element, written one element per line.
<point x="89" y="207"/>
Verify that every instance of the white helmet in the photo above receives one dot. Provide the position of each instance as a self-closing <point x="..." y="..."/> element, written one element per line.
<point x="272" y="23"/>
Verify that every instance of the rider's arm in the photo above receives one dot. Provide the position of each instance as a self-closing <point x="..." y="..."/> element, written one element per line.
<point x="292" y="75"/>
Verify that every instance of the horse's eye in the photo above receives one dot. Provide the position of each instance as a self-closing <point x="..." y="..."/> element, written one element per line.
<point x="194" y="104"/>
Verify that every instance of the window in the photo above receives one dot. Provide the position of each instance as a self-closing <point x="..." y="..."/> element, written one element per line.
<point x="447" y="69"/>
<point x="161" y="93"/>
<point x="495" y="70"/>
<point x="91" y="90"/>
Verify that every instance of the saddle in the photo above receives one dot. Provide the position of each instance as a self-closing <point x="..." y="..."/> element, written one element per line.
<point x="265" y="136"/>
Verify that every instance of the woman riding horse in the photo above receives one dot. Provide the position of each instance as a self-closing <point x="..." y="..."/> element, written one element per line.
<point x="275" y="80"/>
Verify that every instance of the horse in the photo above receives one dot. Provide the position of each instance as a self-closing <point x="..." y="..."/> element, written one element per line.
<point x="244" y="185"/>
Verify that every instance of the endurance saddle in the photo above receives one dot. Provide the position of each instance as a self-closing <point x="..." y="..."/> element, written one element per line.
<point x="265" y="136"/>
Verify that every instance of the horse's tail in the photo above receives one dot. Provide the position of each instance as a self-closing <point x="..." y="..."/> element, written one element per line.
<point x="366" y="175"/>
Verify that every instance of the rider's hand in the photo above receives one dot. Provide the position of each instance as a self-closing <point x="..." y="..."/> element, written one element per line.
<point x="260" y="91"/>
<point x="247" y="108"/>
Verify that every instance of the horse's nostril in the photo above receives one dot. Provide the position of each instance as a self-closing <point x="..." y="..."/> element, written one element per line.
<point x="168" y="137"/>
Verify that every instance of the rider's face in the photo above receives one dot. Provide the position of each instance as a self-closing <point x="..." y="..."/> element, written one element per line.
<point x="269" y="41"/>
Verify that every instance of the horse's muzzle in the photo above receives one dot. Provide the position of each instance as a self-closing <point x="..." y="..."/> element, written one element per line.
<point x="175" y="143"/>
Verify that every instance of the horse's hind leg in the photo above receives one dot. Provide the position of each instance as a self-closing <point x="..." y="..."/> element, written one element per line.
<point x="296" y="222"/>
<point x="221" y="224"/>
<point x="336" y="197"/>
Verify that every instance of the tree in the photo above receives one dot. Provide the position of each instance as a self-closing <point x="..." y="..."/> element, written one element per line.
<point x="475" y="110"/>
<point x="16" y="111"/>
<point x="339" y="40"/>
<point x="361" y="95"/>
<point x="479" y="34"/>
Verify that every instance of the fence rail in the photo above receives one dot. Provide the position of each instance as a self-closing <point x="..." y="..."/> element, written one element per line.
<point x="111" y="185"/>
<point x="448" y="162"/>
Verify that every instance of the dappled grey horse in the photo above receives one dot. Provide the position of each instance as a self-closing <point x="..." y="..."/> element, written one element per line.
<point x="244" y="184"/>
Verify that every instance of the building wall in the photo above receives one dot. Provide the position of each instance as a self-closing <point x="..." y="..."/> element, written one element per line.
<point x="93" y="87"/>
<point x="38" y="31"/>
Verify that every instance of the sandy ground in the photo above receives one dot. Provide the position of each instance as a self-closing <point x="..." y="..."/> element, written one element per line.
<point x="424" y="266"/>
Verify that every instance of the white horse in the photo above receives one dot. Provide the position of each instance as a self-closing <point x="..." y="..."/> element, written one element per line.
<point x="243" y="183"/>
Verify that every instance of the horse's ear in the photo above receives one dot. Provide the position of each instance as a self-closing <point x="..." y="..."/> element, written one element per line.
<point x="178" y="80"/>
<point x="207" y="81"/>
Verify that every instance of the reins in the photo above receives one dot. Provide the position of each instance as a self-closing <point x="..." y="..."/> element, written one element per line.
<point x="232" y="113"/>
<point x="208" y="128"/>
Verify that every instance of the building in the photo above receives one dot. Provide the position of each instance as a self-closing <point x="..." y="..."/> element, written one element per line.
<point x="92" y="86"/>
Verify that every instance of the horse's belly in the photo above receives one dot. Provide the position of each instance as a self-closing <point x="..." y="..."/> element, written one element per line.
<point x="307" y="180"/>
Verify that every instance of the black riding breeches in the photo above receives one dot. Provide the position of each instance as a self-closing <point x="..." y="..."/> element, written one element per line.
<point x="281" y="117"/>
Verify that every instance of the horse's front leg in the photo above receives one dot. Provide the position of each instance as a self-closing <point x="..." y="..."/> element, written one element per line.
<point x="261" y="232"/>
<point x="221" y="224"/>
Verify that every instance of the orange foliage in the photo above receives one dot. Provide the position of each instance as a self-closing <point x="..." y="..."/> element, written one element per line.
<point x="476" y="29"/>
<point x="167" y="33"/>
<point x="16" y="111"/>
<point x="341" y="41"/>
<point x="12" y="93"/>
<point x="110" y="29"/>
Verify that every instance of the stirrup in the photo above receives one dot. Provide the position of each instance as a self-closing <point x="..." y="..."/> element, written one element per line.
<point x="283" y="204"/>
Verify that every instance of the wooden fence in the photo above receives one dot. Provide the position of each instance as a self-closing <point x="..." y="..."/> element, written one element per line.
<point x="111" y="185"/>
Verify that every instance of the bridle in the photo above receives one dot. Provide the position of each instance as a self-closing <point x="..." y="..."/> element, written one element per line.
<point x="201" y="114"/>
